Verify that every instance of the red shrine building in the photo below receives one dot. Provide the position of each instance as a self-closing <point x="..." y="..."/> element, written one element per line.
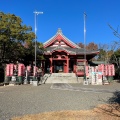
<point x="63" y="55"/>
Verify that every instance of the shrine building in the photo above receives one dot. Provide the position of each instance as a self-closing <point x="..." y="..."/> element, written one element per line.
<point x="64" y="56"/>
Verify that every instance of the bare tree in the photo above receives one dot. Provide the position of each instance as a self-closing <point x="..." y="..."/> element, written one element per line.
<point x="116" y="47"/>
<point x="115" y="32"/>
<point x="92" y="46"/>
<point x="81" y="45"/>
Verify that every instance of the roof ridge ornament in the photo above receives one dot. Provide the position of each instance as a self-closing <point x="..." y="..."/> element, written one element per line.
<point x="59" y="31"/>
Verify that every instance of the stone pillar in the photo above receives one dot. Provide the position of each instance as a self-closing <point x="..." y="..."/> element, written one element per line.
<point x="51" y="66"/>
<point x="64" y="66"/>
<point x="51" y="61"/>
<point x="43" y="67"/>
<point x="67" y="69"/>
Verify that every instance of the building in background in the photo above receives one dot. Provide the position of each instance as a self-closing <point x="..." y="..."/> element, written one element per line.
<point x="63" y="55"/>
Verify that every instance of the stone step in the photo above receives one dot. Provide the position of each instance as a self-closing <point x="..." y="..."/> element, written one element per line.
<point x="63" y="75"/>
<point x="61" y="81"/>
<point x="63" y="78"/>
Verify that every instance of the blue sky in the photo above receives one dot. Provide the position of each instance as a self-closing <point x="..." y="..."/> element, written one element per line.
<point x="68" y="15"/>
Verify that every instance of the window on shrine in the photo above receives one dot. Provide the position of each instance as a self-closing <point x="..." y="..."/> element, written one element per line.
<point x="55" y="56"/>
<point x="80" y="68"/>
<point x="62" y="56"/>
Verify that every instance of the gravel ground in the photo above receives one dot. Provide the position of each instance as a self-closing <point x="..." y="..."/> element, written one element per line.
<point x="27" y="99"/>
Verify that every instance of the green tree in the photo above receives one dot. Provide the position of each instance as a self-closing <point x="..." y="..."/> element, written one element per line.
<point x="16" y="40"/>
<point x="29" y="54"/>
<point x="101" y="56"/>
<point x="12" y="37"/>
<point x="115" y="59"/>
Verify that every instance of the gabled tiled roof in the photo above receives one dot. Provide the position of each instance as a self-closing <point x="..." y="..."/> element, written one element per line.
<point x="59" y="32"/>
<point x="82" y="51"/>
<point x="62" y="48"/>
<point x="76" y="51"/>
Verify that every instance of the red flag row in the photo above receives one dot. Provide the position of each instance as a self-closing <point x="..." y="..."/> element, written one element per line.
<point x="20" y="68"/>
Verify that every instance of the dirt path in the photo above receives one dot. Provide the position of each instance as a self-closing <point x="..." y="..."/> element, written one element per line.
<point x="102" y="112"/>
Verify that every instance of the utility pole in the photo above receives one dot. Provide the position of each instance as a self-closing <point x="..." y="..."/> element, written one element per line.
<point x="36" y="13"/>
<point x="85" y="45"/>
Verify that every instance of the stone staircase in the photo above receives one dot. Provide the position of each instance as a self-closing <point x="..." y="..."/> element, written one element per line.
<point x="61" y="78"/>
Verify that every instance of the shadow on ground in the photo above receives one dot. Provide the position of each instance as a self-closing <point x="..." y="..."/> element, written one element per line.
<point x="113" y="105"/>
